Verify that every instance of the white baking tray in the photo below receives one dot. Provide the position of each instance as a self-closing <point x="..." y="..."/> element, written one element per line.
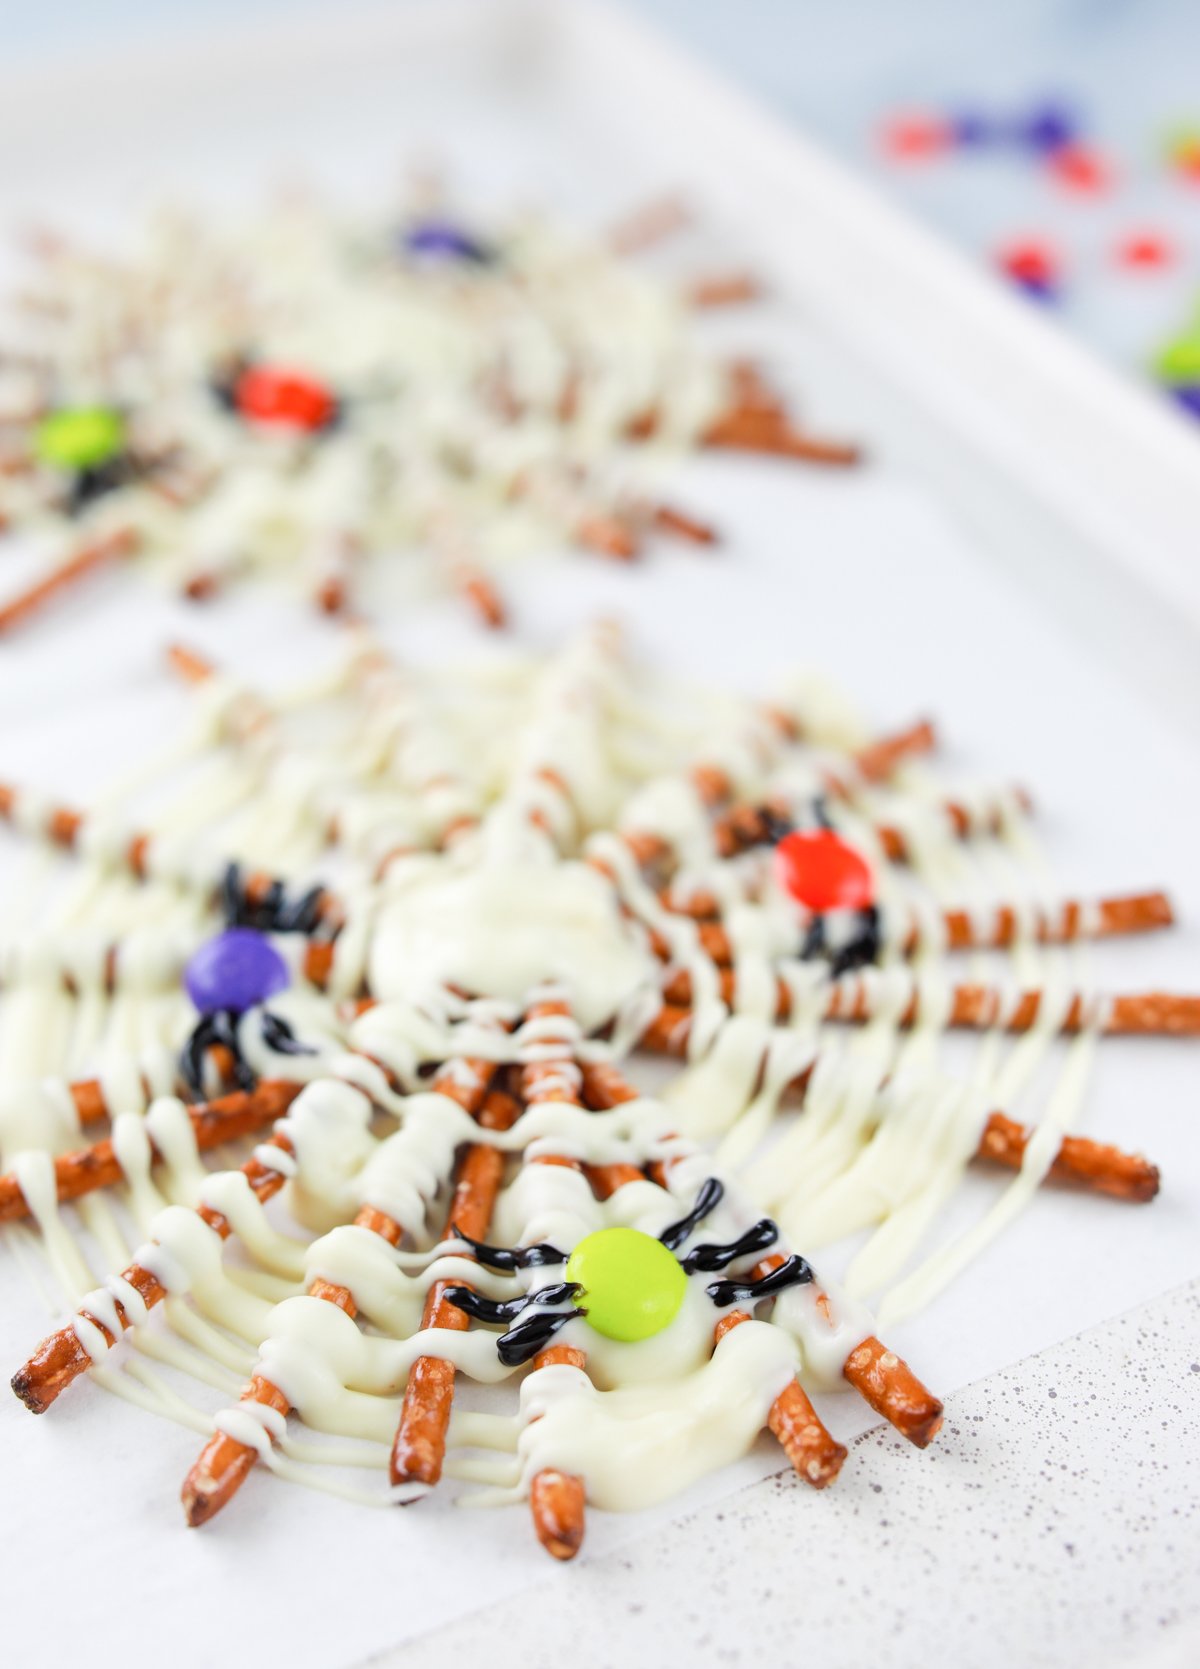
<point x="1018" y="561"/>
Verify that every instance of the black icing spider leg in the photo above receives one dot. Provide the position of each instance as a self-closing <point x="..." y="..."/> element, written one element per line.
<point x="92" y="483"/>
<point x="774" y="826"/>
<point x="708" y="1199"/>
<point x="863" y="948"/>
<point x="273" y="913"/>
<point x="709" y="1257"/>
<point x="304" y="915"/>
<point x="529" y="1332"/>
<point x="232" y="897"/>
<point x="218" y="1029"/>
<point x="505" y="1258"/>
<point x="508" y="1309"/>
<point x="795" y="1271"/>
<point x="820" y="812"/>
<point x="278" y="1035"/>
<point x="814" y="940"/>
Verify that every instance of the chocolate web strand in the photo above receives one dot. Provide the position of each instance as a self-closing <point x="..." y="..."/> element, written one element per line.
<point x="795" y="1272"/>
<point x="707" y="1200"/>
<point x="709" y="1256"/>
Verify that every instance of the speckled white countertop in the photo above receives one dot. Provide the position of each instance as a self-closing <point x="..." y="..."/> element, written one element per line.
<point x="1001" y="1545"/>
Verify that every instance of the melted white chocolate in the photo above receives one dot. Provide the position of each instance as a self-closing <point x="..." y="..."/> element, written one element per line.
<point x="508" y="929"/>
<point x="472" y="825"/>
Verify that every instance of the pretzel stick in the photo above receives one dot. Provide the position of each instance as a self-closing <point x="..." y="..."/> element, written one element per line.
<point x="668" y="519"/>
<point x="89" y="1168"/>
<point x="557" y="1500"/>
<point x="753" y="428"/>
<point x="885" y="1381"/>
<point x="609" y="535"/>
<point x="95" y="554"/>
<point x="814" y="1452"/>
<point x="723" y="290"/>
<point x="224" y="1463"/>
<point x="419" y="1448"/>
<point x="332" y="595"/>
<point x="190" y="664"/>
<point x="1074" y="919"/>
<point x="477" y="589"/>
<point x="1092" y="1165"/>
<point x="972" y="1008"/>
<point x="61" y="1358"/>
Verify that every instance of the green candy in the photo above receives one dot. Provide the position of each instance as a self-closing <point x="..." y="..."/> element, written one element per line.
<point x="80" y="437"/>
<point x="1179" y="360"/>
<point x="632" y="1286"/>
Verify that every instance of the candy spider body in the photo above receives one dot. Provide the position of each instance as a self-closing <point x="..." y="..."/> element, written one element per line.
<point x="629" y="1284"/>
<point x="239" y="971"/>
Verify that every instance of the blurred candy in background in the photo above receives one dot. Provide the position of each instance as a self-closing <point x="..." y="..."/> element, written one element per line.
<point x="1058" y="141"/>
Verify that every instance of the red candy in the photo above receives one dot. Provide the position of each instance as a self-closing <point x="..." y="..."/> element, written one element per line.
<point x="287" y="399"/>
<point x="1145" y="250"/>
<point x="1030" y="262"/>
<point x="910" y="138"/>
<point x="1080" y="169"/>
<point x="821" y="872"/>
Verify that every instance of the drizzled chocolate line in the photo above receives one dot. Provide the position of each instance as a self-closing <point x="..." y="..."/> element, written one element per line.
<point x="710" y="1257"/>
<point x="504" y="1310"/>
<point x="794" y="1271"/>
<point x="220" y="1030"/>
<point x="272" y="912"/>
<point x="707" y="1200"/>
<point x="861" y="950"/>
<point x="530" y="1331"/>
<point x="508" y="1258"/>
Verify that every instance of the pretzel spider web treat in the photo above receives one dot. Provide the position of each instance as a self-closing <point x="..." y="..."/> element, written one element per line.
<point x="309" y="396"/>
<point x="428" y="915"/>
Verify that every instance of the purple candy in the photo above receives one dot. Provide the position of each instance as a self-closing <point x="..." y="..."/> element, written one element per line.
<point x="441" y="238"/>
<point x="1187" y="395"/>
<point x="1038" y="289"/>
<point x="234" y="971"/>
<point x="1048" y="127"/>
